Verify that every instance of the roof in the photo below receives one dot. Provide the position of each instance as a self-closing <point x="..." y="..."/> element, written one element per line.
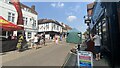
<point x="30" y="9"/>
<point x="68" y="27"/>
<point x="42" y="21"/>
<point x="90" y="6"/>
<point x="74" y="30"/>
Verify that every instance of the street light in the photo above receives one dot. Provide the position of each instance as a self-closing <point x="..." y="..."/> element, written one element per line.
<point x="79" y="35"/>
<point x="88" y="21"/>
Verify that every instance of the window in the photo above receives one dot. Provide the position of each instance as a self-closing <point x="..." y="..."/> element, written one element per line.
<point x="29" y="34"/>
<point x="34" y="22"/>
<point x="57" y="27"/>
<point x="11" y="17"/>
<point x="30" y="19"/>
<point x="53" y="26"/>
<point x="26" y="21"/>
<point x="47" y="26"/>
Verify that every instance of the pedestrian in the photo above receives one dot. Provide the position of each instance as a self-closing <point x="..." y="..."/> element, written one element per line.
<point x="10" y="37"/>
<point x="20" y="43"/>
<point x="60" y="37"/>
<point x="43" y="36"/>
<point x="90" y="44"/>
<point x="39" y="39"/>
<point x="97" y="45"/>
<point x="36" y="41"/>
<point x="56" y="39"/>
<point x="31" y="43"/>
<point x="14" y="37"/>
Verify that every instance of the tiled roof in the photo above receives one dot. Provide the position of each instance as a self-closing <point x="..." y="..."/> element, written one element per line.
<point x="42" y="21"/>
<point x="30" y="9"/>
<point x="90" y="6"/>
<point x="68" y="27"/>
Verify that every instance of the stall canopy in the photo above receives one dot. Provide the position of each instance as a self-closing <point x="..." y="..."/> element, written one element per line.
<point x="72" y="36"/>
<point x="8" y="26"/>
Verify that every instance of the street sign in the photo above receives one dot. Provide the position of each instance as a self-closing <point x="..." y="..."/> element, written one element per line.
<point x="85" y="59"/>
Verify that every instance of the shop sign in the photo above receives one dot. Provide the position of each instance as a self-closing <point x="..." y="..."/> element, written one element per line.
<point x="85" y="59"/>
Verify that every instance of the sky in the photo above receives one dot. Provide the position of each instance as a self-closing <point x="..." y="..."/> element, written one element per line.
<point x="70" y="13"/>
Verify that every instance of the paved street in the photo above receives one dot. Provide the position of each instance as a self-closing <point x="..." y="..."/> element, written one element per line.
<point x="50" y="55"/>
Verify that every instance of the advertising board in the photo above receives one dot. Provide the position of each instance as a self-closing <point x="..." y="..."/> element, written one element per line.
<point x="85" y="59"/>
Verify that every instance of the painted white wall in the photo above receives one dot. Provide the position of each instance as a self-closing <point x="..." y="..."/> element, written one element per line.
<point x="29" y="27"/>
<point x="6" y="7"/>
<point x="42" y="26"/>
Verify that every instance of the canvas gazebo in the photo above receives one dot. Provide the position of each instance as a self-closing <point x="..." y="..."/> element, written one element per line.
<point x="8" y="26"/>
<point x="72" y="36"/>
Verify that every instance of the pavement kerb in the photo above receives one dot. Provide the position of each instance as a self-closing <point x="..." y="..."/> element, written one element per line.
<point x="66" y="59"/>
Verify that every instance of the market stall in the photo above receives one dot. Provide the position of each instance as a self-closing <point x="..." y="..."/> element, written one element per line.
<point x="6" y="26"/>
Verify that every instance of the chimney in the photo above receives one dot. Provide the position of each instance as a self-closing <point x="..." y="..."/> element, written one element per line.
<point x="33" y="7"/>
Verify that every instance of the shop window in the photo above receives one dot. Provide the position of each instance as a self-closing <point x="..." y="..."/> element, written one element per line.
<point x="104" y="34"/>
<point x="104" y="27"/>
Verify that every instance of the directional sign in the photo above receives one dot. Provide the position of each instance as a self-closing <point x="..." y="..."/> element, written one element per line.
<point x="85" y="59"/>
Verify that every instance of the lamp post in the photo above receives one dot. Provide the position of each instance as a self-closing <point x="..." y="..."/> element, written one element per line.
<point x="79" y="35"/>
<point x="88" y="21"/>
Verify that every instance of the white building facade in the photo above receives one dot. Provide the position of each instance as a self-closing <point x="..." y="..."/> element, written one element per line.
<point x="50" y="28"/>
<point x="30" y="16"/>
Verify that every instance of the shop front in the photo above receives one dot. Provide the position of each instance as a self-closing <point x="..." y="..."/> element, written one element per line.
<point x="105" y="23"/>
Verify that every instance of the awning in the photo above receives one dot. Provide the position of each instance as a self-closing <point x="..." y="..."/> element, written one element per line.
<point x="8" y="26"/>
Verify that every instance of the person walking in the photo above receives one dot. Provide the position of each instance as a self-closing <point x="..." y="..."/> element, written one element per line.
<point x="89" y="43"/>
<point x="97" y="45"/>
<point x="36" y="41"/>
<point x="20" y="43"/>
<point x="56" y="39"/>
<point x="43" y="36"/>
<point x="39" y="40"/>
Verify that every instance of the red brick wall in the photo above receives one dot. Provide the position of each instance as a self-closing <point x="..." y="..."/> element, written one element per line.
<point x="90" y="8"/>
<point x="89" y="12"/>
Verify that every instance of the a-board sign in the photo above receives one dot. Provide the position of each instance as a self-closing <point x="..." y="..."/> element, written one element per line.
<point x="85" y="59"/>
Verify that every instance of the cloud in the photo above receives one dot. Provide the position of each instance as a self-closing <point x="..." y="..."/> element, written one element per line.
<point x="53" y="5"/>
<point x="71" y="18"/>
<point x="57" y="5"/>
<point x="73" y="10"/>
<point x="76" y="8"/>
<point x="60" y="4"/>
<point x="69" y="13"/>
